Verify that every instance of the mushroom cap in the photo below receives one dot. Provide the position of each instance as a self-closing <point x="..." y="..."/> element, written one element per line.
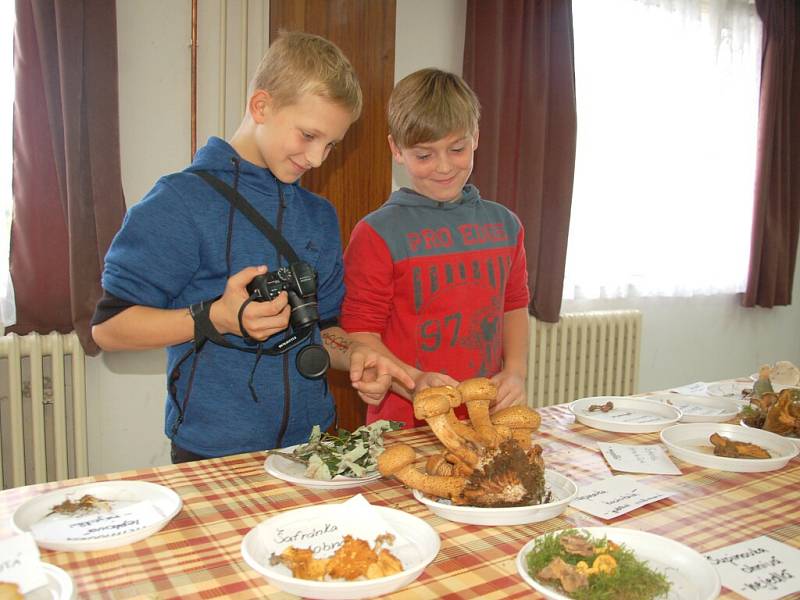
<point x="478" y="388"/>
<point x="437" y="465"/>
<point x="394" y="458"/>
<point x="517" y="417"/>
<point x="452" y="394"/>
<point x="430" y="405"/>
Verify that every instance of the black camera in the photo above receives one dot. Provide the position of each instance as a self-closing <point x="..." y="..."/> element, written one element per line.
<point x="299" y="280"/>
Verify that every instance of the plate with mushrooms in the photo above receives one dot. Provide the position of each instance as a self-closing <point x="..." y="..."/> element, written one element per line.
<point x="659" y="567"/>
<point x="624" y="414"/>
<point x="698" y="409"/>
<point x="560" y="491"/>
<point x="490" y="463"/>
<point x="728" y="447"/>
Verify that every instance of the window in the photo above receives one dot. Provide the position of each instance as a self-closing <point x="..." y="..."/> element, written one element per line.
<point x="7" y="310"/>
<point x="667" y="113"/>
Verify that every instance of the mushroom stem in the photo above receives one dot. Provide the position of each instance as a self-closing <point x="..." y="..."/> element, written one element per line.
<point x="478" y="394"/>
<point x="398" y="461"/>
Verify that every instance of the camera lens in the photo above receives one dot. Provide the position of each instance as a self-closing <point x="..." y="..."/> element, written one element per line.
<point x="312" y="361"/>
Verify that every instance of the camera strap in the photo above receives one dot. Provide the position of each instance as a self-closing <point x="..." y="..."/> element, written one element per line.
<point x="241" y="204"/>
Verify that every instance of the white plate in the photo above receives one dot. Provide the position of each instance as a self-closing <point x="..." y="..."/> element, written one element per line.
<point x="564" y="491"/>
<point x="264" y="540"/>
<point x="59" y="585"/>
<point x="119" y="493"/>
<point x="629" y="415"/>
<point x="794" y="440"/>
<point x="689" y="442"/>
<point x="729" y="389"/>
<point x="699" y="409"/>
<point x="294" y="472"/>
<point x="691" y="576"/>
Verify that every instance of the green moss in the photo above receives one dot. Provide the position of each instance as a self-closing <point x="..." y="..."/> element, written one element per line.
<point x="632" y="580"/>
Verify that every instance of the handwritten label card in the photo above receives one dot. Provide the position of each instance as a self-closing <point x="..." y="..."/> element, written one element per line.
<point x="615" y="496"/>
<point x="20" y="564"/>
<point x="323" y="534"/>
<point x="638" y="459"/>
<point x="759" y="569"/>
<point x="322" y="531"/>
<point x="99" y="524"/>
<point x="698" y="388"/>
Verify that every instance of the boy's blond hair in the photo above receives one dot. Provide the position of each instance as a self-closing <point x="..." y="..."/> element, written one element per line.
<point x="298" y="63"/>
<point x="429" y="105"/>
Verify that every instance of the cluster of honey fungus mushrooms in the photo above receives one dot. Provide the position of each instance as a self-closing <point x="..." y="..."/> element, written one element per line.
<point x="487" y="462"/>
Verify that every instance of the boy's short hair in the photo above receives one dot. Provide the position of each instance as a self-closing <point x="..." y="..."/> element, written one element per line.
<point x="429" y="105"/>
<point x="298" y="63"/>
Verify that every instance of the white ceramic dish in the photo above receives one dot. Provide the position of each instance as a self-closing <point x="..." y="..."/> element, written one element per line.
<point x="119" y="493"/>
<point x="794" y="440"/>
<point x="691" y="576"/>
<point x="689" y="442"/>
<point x="294" y="472"/>
<point x="699" y="409"/>
<point x="265" y="539"/>
<point x="563" y="489"/>
<point x="729" y="389"/>
<point x="629" y="415"/>
<point x="59" y="585"/>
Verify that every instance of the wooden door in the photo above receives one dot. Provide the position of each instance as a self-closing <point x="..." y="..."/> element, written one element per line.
<point x="357" y="176"/>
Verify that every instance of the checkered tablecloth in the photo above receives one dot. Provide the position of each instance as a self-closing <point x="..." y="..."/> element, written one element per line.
<point x="197" y="554"/>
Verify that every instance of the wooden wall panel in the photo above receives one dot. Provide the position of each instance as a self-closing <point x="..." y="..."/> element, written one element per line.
<point x="357" y="176"/>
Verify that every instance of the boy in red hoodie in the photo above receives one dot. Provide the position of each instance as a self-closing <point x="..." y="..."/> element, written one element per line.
<point x="437" y="276"/>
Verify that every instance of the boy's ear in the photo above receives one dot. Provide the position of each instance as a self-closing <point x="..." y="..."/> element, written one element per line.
<point x="259" y="105"/>
<point x="475" y="140"/>
<point x="396" y="154"/>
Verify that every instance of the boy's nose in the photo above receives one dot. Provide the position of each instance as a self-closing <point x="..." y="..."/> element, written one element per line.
<point x="443" y="165"/>
<point x="315" y="156"/>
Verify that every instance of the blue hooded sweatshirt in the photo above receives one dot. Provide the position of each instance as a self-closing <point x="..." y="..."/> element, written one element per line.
<point x="178" y="246"/>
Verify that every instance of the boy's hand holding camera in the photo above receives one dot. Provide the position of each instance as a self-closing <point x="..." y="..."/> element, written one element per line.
<point x="260" y="319"/>
<point x="371" y="373"/>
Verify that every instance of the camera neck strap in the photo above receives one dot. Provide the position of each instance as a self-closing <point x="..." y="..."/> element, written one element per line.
<point x="241" y="204"/>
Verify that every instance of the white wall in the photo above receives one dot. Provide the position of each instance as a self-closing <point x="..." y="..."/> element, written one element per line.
<point x="684" y="340"/>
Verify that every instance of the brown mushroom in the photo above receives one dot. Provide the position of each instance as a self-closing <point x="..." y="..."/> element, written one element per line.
<point x="522" y="421"/>
<point x="478" y="394"/>
<point x="437" y="464"/>
<point x="435" y="408"/>
<point x="454" y="397"/>
<point x="398" y="461"/>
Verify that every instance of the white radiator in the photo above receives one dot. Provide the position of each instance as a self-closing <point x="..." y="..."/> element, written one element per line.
<point x="585" y="354"/>
<point x="42" y="408"/>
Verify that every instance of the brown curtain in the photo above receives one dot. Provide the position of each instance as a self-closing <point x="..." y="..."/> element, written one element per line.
<point x="519" y="59"/>
<point x="68" y="200"/>
<point x="776" y="212"/>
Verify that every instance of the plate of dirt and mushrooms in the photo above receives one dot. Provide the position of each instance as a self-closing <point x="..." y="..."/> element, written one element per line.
<point x="624" y="414"/>
<point x="728" y="447"/>
<point x="612" y="562"/>
<point x="489" y="471"/>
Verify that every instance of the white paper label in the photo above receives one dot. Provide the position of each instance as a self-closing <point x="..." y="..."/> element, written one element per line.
<point x="638" y="459"/>
<point x="355" y="517"/>
<point x="697" y="388"/>
<point x="615" y="496"/>
<point x="20" y="563"/>
<point x="758" y="569"/>
<point x="99" y="524"/>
